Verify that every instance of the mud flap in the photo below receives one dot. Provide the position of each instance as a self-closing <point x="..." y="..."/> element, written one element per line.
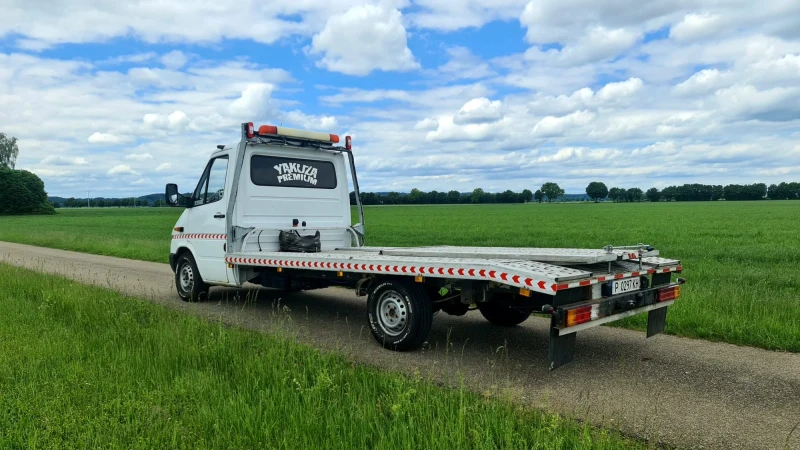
<point x="562" y="348"/>
<point x="656" y="320"/>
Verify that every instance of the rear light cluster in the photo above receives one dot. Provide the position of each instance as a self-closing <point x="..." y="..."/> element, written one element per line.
<point x="582" y="314"/>
<point x="670" y="293"/>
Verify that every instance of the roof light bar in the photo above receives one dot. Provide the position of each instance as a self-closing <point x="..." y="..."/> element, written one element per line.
<point x="249" y="131"/>
<point x="272" y="130"/>
<point x="348" y="142"/>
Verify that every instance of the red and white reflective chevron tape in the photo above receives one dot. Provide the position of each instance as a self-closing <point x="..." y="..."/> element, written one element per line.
<point x="469" y="273"/>
<point x="200" y="236"/>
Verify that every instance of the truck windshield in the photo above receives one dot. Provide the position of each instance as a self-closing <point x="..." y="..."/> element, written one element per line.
<point x="292" y="172"/>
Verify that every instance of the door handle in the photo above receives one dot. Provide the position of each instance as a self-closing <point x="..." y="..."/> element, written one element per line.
<point x="219" y="216"/>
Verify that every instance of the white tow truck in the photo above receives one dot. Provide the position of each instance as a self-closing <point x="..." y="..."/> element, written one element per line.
<point x="279" y="182"/>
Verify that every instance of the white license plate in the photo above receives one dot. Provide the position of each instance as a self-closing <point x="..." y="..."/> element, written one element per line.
<point x="623" y="286"/>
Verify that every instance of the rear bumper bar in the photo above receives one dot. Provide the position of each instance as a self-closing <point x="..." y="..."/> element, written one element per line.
<point x="586" y="325"/>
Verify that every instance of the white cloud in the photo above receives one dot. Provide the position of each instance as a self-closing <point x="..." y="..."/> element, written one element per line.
<point x="463" y="64"/>
<point x="479" y="110"/>
<point x="59" y="160"/>
<point x="363" y="39"/>
<point x="254" y="101"/>
<point x="107" y="138"/>
<point x="702" y="82"/>
<point x="748" y="103"/>
<point x="175" y="120"/>
<point x="615" y="91"/>
<point x="554" y="126"/>
<point x="141" y="182"/>
<point x="138" y="156"/>
<point x="696" y="26"/>
<point x="163" y="166"/>
<point x="122" y="169"/>
<point x="174" y="59"/>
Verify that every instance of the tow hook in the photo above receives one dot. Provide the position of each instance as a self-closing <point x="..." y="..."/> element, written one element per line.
<point x="549" y="309"/>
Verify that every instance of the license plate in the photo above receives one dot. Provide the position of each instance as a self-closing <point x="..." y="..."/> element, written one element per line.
<point x="623" y="286"/>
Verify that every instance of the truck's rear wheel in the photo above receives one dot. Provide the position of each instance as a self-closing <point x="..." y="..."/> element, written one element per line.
<point x="188" y="282"/>
<point x="501" y="310"/>
<point x="400" y="314"/>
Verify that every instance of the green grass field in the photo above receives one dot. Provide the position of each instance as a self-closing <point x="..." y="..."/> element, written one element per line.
<point x="84" y="367"/>
<point x="740" y="258"/>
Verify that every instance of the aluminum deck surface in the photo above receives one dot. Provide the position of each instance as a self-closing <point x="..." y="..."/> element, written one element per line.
<point x="551" y="255"/>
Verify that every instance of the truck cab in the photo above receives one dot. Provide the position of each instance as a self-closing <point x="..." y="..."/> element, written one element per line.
<point x="292" y="179"/>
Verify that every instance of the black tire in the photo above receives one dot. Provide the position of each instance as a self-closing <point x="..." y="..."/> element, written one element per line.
<point x="501" y="310"/>
<point x="400" y="314"/>
<point x="189" y="284"/>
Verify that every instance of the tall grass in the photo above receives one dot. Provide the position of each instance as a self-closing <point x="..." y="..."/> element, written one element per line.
<point x="84" y="367"/>
<point x="740" y="258"/>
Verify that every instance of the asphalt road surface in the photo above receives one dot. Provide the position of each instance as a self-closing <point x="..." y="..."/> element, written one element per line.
<point x="676" y="391"/>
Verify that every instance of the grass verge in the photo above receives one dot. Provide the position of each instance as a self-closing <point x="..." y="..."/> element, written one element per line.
<point x="84" y="367"/>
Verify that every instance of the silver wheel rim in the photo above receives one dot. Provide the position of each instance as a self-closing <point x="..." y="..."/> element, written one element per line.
<point x="186" y="277"/>
<point x="392" y="313"/>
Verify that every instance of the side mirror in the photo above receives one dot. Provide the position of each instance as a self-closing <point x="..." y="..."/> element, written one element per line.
<point x="172" y="195"/>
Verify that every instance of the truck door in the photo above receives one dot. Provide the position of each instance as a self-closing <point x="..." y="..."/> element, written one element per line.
<point x="206" y="224"/>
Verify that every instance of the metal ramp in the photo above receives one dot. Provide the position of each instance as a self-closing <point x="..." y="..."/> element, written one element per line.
<point x="548" y="255"/>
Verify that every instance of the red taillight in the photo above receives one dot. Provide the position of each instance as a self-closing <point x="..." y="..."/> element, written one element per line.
<point x="335" y="138"/>
<point x="348" y="142"/>
<point x="250" y="131"/>
<point x="267" y="129"/>
<point x="579" y="315"/>
<point x="670" y="293"/>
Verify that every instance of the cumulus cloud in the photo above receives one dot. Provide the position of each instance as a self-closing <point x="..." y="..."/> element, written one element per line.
<point x="163" y="166"/>
<point x="107" y="138"/>
<point x="174" y="59"/>
<point x="555" y="126"/>
<point x="59" y="160"/>
<point x="479" y="110"/>
<point x="176" y="120"/>
<point x="254" y="101"/>
<point x="122" y="169"/>
<point x="138" y="156"/>
<point x="696" y="26"/>
<point x="363" y="39"/>
<point x="615" y="91"/>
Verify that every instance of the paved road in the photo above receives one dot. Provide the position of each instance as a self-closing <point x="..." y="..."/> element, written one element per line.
<point x="682" y="392"/>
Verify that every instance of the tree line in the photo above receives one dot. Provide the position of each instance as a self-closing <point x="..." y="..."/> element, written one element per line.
<point x="418" y="197"/>
<point x="697" y="192"/>
<point x="596" y="191"/>
<point x="73" y="202"/>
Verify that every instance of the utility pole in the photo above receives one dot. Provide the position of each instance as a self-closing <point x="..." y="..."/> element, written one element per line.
<point x="87" y="198"/>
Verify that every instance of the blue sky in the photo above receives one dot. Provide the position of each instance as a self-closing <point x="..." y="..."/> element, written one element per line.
<point x="120" y="98"/>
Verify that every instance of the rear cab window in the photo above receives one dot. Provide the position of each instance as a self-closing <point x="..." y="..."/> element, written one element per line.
<point x="277" y="171"/>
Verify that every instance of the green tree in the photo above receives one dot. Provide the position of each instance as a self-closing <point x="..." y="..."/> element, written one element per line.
<point x="538" y="195"/>
<point x="552" y="191"/>
<point x="8" y="151"/>
<point x="616" y="194"/>
<point x="453" y="197"/>
<point x="634" y="195"/>
<point x="415" y="196"/>
<point x="526" y="195"/>
<point x="478" y="196"/>
<point x="22" y="192"/>
<point x="596" y="190"/>
<point x="653" y="195"/>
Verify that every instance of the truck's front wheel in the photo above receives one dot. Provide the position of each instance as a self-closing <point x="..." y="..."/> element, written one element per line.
<point x="400" y="314"/>
<point x="502" y="310"/>
<point x="188" y="282"/>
